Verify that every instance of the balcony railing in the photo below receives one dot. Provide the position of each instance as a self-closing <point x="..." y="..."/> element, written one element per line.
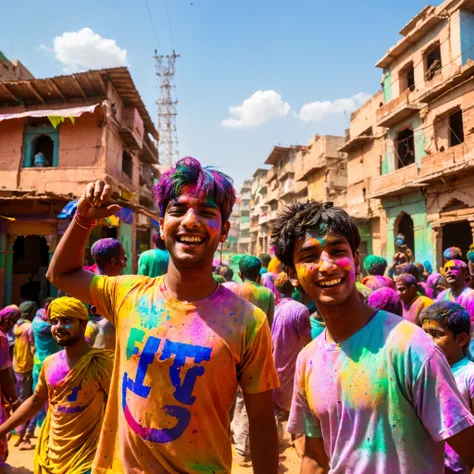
<point x="396" y="110"/>
<point x="395" y="183"/>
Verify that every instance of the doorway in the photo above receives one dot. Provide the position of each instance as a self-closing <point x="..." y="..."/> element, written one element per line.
<point x="30" y="263"/>
<point x="457" y="234"/>
<point x="406" y="227"/>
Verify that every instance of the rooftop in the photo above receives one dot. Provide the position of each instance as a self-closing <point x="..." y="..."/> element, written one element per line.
<point x="280" y="152"/>
<point x="82" y="86"/>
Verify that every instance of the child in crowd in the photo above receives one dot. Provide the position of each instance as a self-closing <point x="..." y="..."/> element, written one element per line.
<point x="448" y="324"/>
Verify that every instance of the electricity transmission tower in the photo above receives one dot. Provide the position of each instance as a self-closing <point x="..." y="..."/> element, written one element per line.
<point x="167" y="110"/>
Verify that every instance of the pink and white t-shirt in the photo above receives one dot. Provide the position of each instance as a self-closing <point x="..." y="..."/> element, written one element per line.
<point x="383" y="401"/>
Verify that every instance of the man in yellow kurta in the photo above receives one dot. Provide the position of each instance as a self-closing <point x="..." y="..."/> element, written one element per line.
<point x="75" y="382"/>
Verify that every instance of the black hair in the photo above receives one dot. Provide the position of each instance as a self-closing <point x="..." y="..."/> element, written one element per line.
<point x="451" y="315"/>
<point x="228" y="273"/>
<point x="412" y="269"/>
<point x="299" y="218"/>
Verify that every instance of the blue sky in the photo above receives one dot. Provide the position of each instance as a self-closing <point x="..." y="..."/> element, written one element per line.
<point x="295" y="52"/>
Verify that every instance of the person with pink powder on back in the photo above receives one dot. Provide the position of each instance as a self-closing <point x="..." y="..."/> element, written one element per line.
<point x="184" y="342"/>
<point x="373" y="393"/>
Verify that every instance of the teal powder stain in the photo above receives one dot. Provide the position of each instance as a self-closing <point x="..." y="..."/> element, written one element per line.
<point x="151" y="312"/>
<point x="136" y="335"/>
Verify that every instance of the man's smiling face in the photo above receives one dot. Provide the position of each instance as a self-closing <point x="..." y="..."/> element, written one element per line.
<point x="192" y="228"/>
<point x="326" y="268"/>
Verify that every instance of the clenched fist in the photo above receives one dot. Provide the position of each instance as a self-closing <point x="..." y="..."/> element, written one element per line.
<point x="94" y="202"/>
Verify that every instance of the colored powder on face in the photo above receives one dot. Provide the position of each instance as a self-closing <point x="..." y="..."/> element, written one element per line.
<point x="345" y="263"/>
<point x="205" y="181"/>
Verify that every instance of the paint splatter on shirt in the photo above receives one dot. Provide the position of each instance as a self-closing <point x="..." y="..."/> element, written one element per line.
<point x="317" y="326"/>
<point x="383" y="400"/>
<point x="291" y="331"/>
<point x="410" y="312"/>
<point x="22" y="354"/>
<point x="177" y="369"/>
<point x="463" y="372"/>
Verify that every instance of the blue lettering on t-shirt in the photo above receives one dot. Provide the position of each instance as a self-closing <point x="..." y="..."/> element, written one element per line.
<point x="183" y="392"/>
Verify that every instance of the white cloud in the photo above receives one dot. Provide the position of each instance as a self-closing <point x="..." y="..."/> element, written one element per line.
<point x="84" y="49"/>
<point x="320" y="109"/>
<point x="260" y="107"/>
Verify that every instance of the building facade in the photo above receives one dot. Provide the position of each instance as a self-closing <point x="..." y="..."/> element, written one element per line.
<point x="365" y="151"/>
<point x="426" y="173"/>
<point x="56" y="135"/>
<point x="243" y="243"/>
<point x="259" y="215"/>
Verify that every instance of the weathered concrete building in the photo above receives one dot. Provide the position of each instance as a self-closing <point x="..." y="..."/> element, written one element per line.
<point x="282" y="186"/>
<point x="259" y="214"/>
<point x="13" y="70"/>
<point x="322" y="170"/>
<point x="56" y="135"/>
<point x="365" y="150"/>
<point x="243" y="243"/>
<point x="426" y="175"/>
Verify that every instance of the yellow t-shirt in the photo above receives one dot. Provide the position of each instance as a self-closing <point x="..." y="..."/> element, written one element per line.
<point x="177" y="367"/>
<point x="24" y="340"/>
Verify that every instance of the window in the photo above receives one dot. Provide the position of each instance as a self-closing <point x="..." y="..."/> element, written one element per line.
<point x="127" y="164"/>
<point x="407" y="78"/>
<point x="405" y="148"/>
<point x="433" y="62"/>
<point x="456" y="131"/>
<point x="40" y="146"/>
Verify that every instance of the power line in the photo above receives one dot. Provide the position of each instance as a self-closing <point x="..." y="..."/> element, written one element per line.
<point x="169" y="23"/>
<point x="153" y="25"/>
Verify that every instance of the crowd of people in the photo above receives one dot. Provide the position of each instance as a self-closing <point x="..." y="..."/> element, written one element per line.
<point x="366" y="364"/>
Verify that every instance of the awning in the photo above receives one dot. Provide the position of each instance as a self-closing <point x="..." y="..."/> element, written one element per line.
<point x="70" y="112"/>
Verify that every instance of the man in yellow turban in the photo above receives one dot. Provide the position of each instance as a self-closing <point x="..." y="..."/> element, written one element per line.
<point x="75" y="382"/>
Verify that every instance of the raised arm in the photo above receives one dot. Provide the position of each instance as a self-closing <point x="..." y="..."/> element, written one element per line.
<point x="66" y="268"/>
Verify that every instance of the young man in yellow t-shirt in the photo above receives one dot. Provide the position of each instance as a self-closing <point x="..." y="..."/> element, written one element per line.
<point x="23" y="353"/>
<point x="184" y="342"/>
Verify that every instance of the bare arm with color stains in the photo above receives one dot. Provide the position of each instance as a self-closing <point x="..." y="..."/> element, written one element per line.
<point x="66" y="269"/>
<point x="462" y="443"/>
<point x="315" y="460"/>
<point x="263" y="432"/>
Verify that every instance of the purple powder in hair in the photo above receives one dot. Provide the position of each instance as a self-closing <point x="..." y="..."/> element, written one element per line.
<point x="452" y="253"/>
<point x="386" y="299"/>
<point x="207" y="182"/>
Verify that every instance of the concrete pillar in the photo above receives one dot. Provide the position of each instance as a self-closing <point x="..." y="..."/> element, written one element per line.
<point x="471" y="223"/>
<point x="438" y="246"/>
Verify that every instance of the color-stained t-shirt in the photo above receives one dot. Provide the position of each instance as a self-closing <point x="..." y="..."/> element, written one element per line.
<point x="153" y="263"/>
<point x="410" y="312"/>
<point x="463" y="372"/>
<point x="258" y="295"/>
<point x="177" y="369"/>
<point x="465" y="299"/>
<point x="268" y="281"/>
<point x="232" y="286"/>
<point x="24" y="341"/>
<point x="291" y="331"/>
<point x="383" y="401"/>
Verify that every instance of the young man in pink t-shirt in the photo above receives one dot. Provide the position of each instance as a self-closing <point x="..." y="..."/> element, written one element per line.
<point x="373" y="393"/>
<point x="184" y="342"/>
